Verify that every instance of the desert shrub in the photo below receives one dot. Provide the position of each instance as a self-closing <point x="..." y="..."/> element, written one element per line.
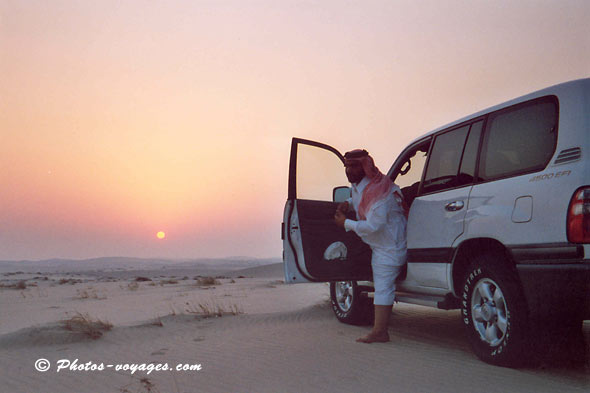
<point x="133" y="286"/>
<point x="88" y="293"/>
<point x="205" y="281"/>
<point x="212" y="309"/>
<point x="71" y="281"/>
<point x="83" y="323"/>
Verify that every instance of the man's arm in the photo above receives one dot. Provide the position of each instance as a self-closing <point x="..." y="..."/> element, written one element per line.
<point x="376" y="219"/>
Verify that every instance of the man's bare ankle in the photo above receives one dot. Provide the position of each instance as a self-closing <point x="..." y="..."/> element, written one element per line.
<point x="374" y="337"/>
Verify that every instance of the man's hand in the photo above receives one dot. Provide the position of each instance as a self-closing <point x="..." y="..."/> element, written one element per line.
<point x="339" y="218"/>
<point x="343" y="207"/>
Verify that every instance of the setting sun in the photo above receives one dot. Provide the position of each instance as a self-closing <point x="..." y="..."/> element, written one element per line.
<point x="160" y="235"/>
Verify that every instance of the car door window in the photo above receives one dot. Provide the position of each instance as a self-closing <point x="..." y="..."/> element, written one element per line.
<point x="409" y="173"/>
<point x="445" y="158"/>
<point x="318" y="172"/>
<point x="469" y="160"/>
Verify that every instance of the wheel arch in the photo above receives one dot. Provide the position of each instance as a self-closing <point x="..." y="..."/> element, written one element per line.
<point x="471" y="248"/>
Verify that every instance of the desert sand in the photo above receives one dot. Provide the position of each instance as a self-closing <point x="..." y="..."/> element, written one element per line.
<point x="239" y="331"/>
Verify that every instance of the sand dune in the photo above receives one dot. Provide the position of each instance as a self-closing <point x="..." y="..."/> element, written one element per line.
<point x="285" y="338"/>
<point x="266" y="271"/>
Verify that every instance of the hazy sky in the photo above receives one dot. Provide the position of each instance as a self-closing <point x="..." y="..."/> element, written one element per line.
<point x="120" y="119"/>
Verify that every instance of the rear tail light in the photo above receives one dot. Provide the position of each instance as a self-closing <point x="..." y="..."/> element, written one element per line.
<point x="578" y="217"/>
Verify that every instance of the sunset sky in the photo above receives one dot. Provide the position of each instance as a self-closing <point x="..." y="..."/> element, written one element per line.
<point x="120" y="119"/>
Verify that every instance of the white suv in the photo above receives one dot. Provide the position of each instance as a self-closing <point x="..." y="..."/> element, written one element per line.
<point x="499" y="222"/>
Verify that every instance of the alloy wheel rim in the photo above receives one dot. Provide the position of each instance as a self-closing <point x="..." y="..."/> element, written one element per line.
<point x="344" y="295"/>
<point x="489" y="312"/>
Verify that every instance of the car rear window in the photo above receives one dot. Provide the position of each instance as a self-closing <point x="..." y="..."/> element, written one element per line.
<point x="520" y="139"/>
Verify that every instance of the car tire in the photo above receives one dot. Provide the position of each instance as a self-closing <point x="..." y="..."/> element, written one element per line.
<point x="494" y="312"/>
<point x="349" y="305"/>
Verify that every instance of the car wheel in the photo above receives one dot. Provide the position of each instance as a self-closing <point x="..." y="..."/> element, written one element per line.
<point x="494" y="312"/>
<point x="348" y="304"/>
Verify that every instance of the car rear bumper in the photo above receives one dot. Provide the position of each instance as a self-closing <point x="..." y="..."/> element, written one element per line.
<point x="556" y="289"/>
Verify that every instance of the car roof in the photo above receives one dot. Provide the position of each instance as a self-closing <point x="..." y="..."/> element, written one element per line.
<point x="558" y="89"/>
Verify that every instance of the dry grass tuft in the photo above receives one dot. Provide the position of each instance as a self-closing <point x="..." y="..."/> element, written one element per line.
<point x="88" y="293"/>
<point x="170" y="281"/>
<point x="70" y="281"/>
<point x="19" y="285"/>
<point x="133" y="286"/>
<point x="84" y="323"/>
<point x="207" y="281"/>
<point x="208" y="310"/>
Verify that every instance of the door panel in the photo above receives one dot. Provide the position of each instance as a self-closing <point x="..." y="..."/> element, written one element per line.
<point x="318" y="232"/>
<point x="437" y="216"/>
<point x="433" y="226"/>
<point x="436" y="220"/>
<point x="316" y="249"/>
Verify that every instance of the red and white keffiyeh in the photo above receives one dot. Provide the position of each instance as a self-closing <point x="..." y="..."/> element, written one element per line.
<point x="379" y="187"/>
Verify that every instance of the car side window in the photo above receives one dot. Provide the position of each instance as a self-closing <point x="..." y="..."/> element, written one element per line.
<point x="519" y="140"/>
<point x="409" y="174"/>
<point x="467" y="170"/>
<point x="445" y="158"/>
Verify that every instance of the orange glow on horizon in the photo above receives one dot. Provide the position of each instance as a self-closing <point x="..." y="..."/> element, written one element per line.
<point x="121" y="117"/>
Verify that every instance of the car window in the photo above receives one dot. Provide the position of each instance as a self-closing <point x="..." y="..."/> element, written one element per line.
<point x="467" y="171"/>
<point x="445" y="158"/>
<point x="408" y="175"/>
<point x="318" y="172"/>
<point x="411" y="170"/>
<point x="519" y="140"/>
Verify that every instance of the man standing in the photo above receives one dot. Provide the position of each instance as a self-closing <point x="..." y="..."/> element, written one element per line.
<point x="381" y="223"/>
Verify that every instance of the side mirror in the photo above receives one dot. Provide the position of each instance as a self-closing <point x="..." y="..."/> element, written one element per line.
<point x="341" y="193"/>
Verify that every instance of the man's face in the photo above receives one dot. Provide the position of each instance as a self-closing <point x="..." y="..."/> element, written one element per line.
<point x="354" y="171"/>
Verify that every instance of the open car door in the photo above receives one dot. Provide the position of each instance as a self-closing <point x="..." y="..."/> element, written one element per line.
<point x="314" y="247"/>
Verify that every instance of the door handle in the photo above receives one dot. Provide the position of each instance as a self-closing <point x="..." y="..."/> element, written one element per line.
<point x="454" y="206"/>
